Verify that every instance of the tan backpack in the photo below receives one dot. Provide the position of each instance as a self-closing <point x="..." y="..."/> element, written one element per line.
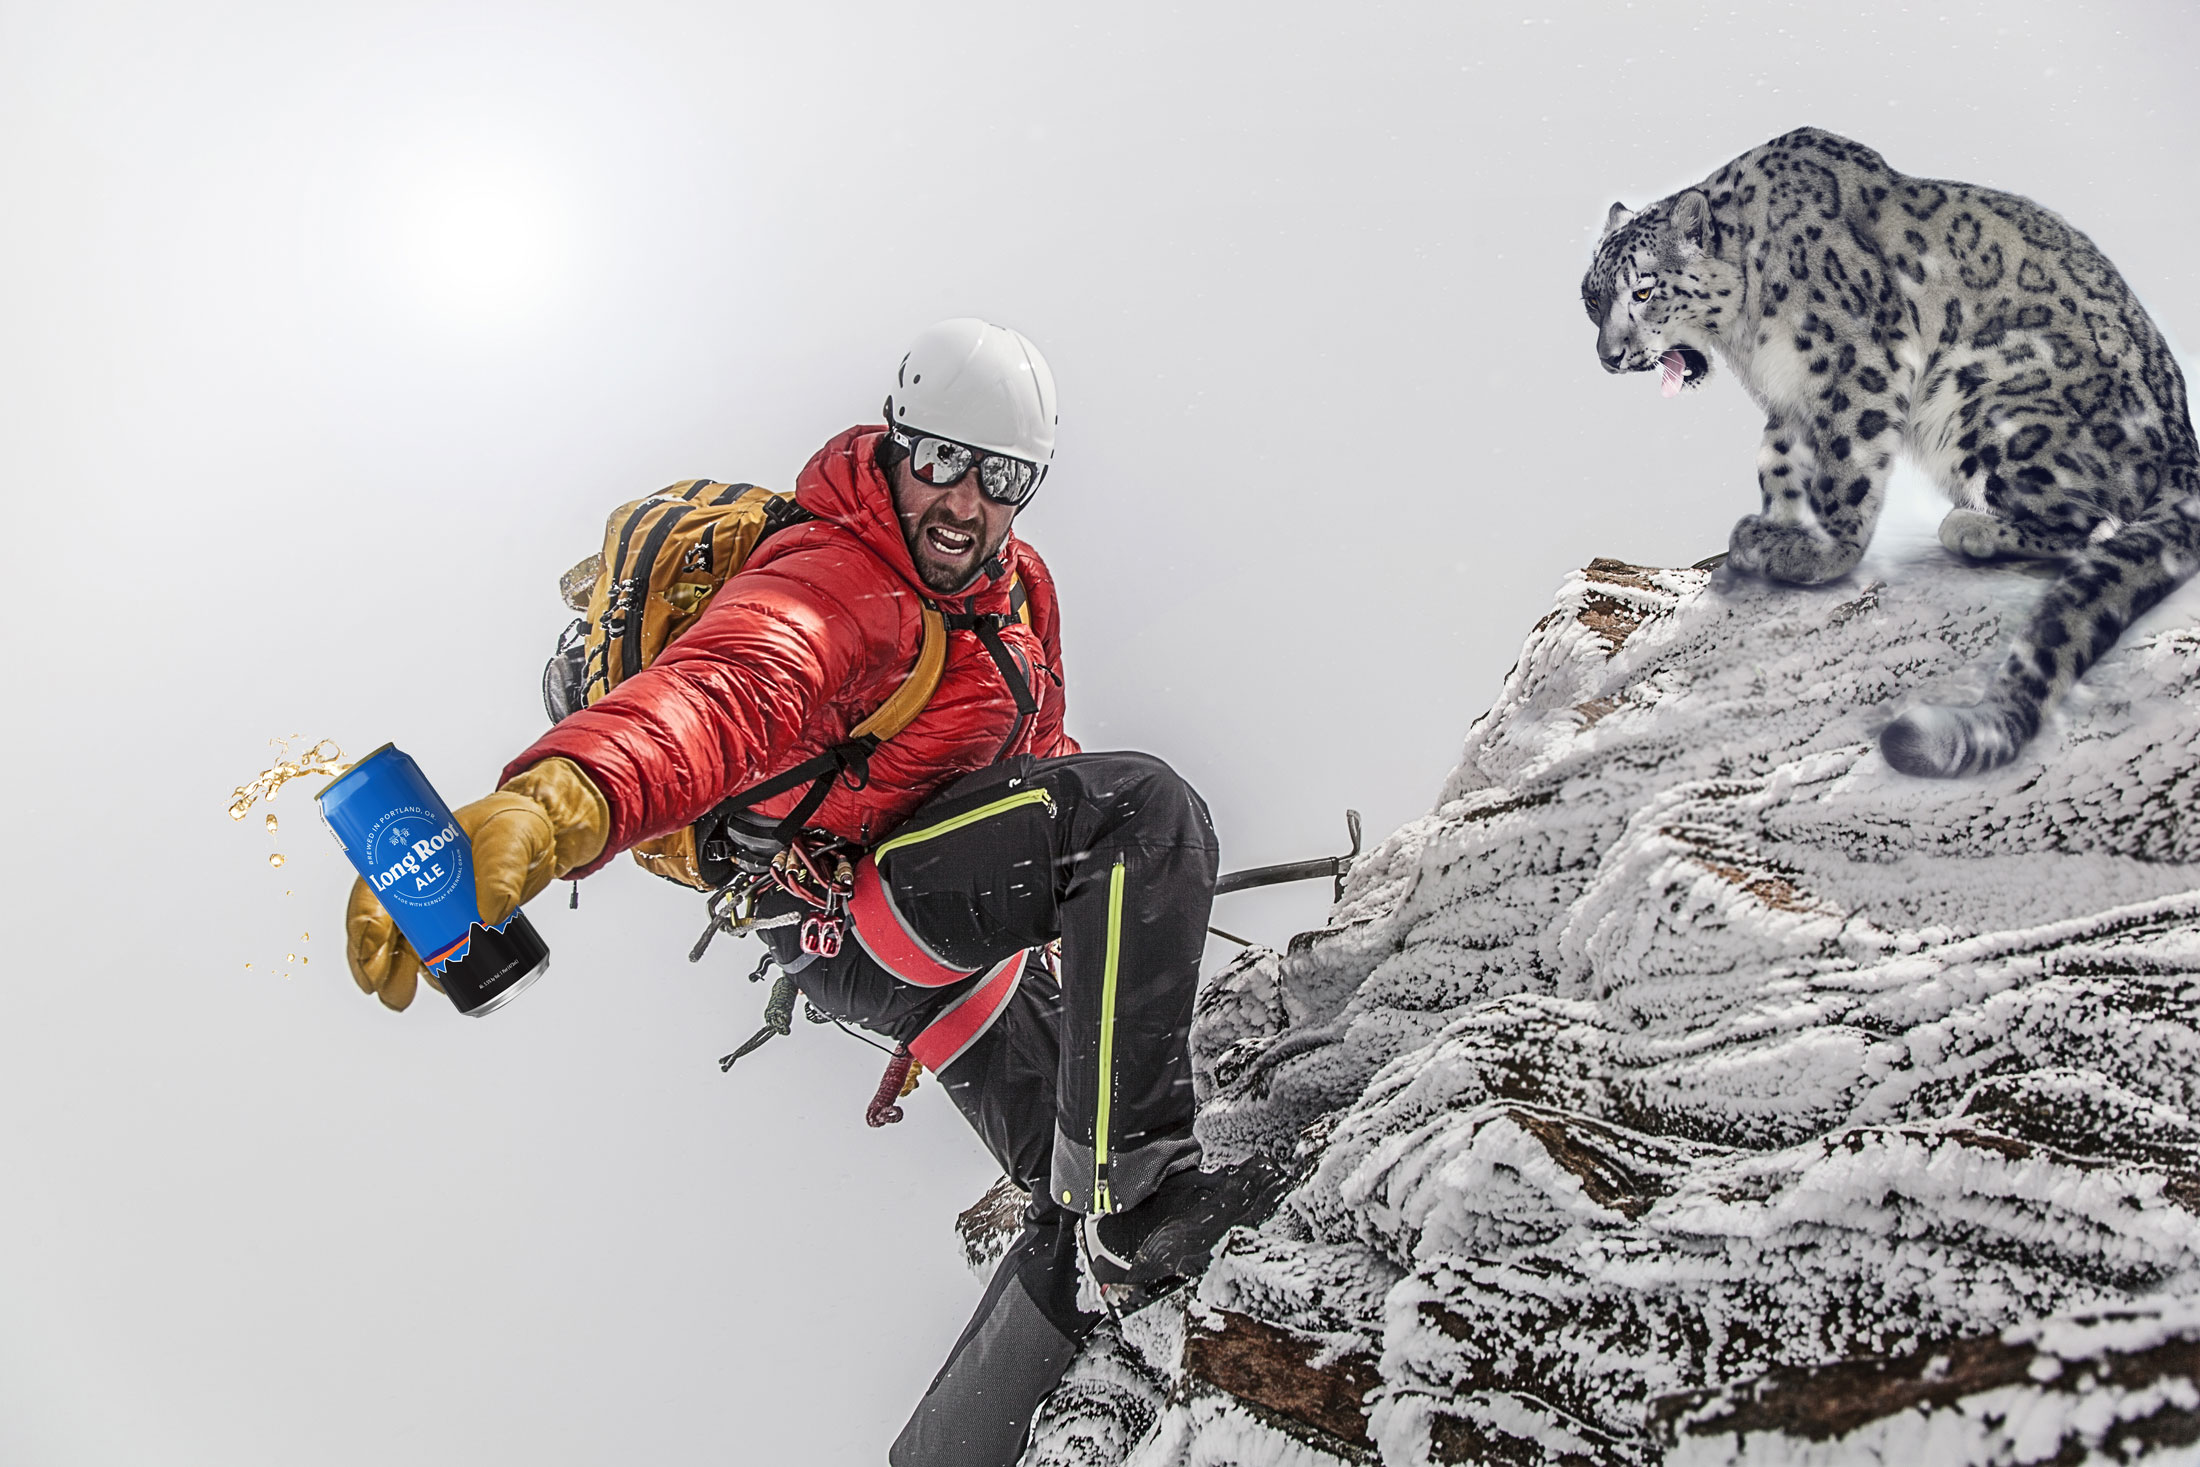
<point x="663" y="558"/>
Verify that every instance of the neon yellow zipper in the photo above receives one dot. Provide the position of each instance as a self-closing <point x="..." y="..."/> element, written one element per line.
<point x="1102" y="1200"/>
<point x="1034" y="796"/>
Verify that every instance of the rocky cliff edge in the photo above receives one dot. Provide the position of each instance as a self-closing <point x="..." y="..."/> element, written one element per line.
<point x="1690" y="1087"/>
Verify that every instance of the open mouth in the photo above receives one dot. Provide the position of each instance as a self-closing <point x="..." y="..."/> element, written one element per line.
<point x="950" y="543"/>
<point x="1683" y="366"/>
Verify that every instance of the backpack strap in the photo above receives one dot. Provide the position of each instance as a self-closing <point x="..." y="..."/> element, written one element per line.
<point x="988" y="627"/>
<point x="901" y="710"/>
<point x="730" y="831"/>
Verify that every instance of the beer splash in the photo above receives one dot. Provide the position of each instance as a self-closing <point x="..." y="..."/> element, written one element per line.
<point x="324" y="758"/>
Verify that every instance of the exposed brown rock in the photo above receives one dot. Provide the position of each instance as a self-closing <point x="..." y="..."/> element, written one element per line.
<point x="1275" y="1368"/>
<point x="1611" y="617"/>
<point x="1608" y="1183"/>
<point x="1621" y="573"/>
<point x="1823" y="1402"/>
<point x="1457" y="1442"/>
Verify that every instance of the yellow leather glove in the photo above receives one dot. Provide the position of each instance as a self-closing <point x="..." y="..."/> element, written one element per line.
<point x="546" y="820"/>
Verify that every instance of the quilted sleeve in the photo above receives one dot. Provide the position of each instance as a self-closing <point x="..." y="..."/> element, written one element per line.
<point x="726" y="704"/>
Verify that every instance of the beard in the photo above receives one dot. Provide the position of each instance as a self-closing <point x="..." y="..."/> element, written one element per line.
<point x="935" y="568"/>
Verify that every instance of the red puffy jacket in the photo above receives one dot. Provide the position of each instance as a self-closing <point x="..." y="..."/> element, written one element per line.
<point x="814" y="633"/>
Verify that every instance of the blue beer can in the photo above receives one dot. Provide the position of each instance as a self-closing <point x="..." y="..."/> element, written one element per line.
<point x="408" y="847"/>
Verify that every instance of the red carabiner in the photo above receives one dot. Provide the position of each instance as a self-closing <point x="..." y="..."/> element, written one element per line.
<point x="821" y="937"/>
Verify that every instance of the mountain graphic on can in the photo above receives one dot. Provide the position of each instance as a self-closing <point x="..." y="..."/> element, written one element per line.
<point x="408" y="847"/>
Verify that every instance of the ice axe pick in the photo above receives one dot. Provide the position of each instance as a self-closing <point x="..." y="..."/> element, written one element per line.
<point x="1334" y="867"/>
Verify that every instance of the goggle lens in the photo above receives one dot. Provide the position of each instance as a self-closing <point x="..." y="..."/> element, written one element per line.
<point x="1005" y="480"/>
<point x="941" y="462"/>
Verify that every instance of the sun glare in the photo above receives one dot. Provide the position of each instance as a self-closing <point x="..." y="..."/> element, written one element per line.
<point x="484" y="237"/>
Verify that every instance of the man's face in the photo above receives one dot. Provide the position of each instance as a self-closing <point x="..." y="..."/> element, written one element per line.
<point x="952" y="531"/>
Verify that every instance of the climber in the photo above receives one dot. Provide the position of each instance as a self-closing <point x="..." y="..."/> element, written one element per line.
<point x="969" y="842"/>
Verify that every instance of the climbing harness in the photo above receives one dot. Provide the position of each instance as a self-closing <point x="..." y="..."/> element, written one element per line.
<point x="662" y="560"/>
<point x="818" y="871"/>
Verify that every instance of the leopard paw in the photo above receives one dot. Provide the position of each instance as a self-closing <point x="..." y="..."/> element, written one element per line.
<point x="1797" y="554"/>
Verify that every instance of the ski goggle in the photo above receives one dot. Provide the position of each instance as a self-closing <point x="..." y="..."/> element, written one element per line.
<point x="942" y="462"/>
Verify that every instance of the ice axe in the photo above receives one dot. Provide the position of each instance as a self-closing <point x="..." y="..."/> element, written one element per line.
<point x="1334" y="867"/>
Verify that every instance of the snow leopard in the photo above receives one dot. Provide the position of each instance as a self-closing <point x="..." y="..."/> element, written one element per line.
<point x="1867" y="312"/>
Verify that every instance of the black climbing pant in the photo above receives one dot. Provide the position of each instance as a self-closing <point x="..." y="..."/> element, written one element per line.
<point x="1082" y="1088"/>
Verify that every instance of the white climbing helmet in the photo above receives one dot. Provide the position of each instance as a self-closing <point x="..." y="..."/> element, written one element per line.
<point x="979" y="384"/>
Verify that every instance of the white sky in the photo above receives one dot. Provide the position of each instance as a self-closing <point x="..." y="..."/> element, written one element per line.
<point x="327" y="336"/>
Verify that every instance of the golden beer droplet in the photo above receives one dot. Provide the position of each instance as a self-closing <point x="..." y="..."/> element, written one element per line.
<point x="271" y="823"/>
<point x="290" y="957"/>
<point x="275" y="858"/>
<point x="323" y="758"/>
<point x="248" y="967"/>
<point x="303" y="961"/>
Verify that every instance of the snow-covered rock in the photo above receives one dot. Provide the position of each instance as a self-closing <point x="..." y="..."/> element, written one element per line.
<point x="1686" y="1057"/>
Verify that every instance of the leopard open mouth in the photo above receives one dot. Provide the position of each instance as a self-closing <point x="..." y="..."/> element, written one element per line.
<point x="1684" y="367"/>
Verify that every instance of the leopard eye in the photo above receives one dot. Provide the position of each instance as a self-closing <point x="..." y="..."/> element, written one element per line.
<point x="1643" y="294"/>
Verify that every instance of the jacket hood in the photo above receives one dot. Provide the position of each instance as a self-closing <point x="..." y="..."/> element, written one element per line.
<point x="842" y="483"/>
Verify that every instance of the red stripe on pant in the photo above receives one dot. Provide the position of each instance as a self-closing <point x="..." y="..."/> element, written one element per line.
<point x="947" y="1036"/>
<point x="879" y="928"/>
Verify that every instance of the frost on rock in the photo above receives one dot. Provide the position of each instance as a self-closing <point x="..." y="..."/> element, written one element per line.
<point x="988" y="1226"/>
<point x="1690" y="1086"/>
<point x="1103" y="1408"/>
<point x="2119" y="1386"/>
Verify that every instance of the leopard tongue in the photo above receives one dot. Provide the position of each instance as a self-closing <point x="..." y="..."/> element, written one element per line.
<point x="1676" y="372"/>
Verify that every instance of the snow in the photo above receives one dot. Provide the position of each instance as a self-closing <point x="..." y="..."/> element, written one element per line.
<point x="1685" y="1042"/>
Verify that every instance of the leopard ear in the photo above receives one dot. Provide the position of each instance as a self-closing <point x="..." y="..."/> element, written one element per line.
<point x="1691" y="215"/>
<point x="1617" y="215"/>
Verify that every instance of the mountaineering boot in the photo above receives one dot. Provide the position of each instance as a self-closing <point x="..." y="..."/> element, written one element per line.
<point x="1171" y="1234"/>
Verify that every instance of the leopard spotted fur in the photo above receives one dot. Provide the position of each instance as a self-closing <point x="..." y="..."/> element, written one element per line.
<point x="1868" y="312"/>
